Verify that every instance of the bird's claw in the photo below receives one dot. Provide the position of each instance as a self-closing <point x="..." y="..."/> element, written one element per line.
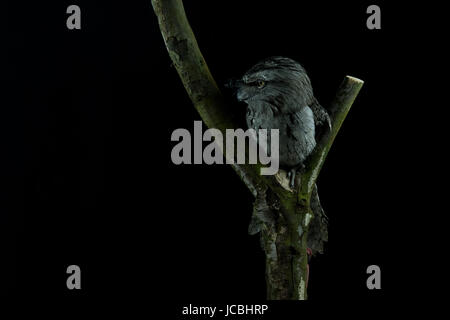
<point x="291" y="177"/>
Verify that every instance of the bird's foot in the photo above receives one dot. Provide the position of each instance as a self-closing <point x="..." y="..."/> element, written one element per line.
<point x="291" y="176"/>
<point x="292" y="173"/>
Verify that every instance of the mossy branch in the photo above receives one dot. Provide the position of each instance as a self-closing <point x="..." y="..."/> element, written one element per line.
<point x="196" y="77"/>
<point x="340" y="106"/>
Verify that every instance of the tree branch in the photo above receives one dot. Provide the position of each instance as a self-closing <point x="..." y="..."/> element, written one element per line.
<point x="338" y="110"/>
<point x="190" y="64"/>
<point x="196" y="77"/>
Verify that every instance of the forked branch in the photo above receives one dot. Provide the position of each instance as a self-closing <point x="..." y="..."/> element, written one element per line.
<point x="287" y="278"/>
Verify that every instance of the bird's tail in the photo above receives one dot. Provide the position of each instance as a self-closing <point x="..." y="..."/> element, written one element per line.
<point x="318" y="228"/>
<point x="262" y="214"/>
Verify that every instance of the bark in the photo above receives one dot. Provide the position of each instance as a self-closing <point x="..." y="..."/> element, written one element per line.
<point x="284" y="241"/>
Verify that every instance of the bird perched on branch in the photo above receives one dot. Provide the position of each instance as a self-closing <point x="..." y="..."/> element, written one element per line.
<point x="279" y="95"/>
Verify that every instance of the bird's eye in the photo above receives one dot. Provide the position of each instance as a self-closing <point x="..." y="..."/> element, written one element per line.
<point x="261" y="84"/>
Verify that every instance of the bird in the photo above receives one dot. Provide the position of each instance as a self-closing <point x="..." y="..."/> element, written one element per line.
<point x="278" y="94"/>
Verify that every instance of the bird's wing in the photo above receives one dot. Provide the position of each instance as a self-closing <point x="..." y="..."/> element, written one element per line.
<point x="302" y="130"/>
<point x="303" y="126"/>
<point x="321" y="117"/>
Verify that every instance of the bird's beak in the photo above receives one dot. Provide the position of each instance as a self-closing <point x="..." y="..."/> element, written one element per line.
<point x="242" y="95"/>
<point x="237" y="86"/>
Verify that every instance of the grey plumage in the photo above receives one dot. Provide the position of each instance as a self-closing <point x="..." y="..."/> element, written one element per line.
<point x="279" y="95"/>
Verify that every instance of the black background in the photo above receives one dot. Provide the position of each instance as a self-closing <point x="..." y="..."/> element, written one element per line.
<point x="87" y="175"/>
